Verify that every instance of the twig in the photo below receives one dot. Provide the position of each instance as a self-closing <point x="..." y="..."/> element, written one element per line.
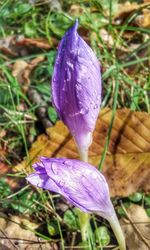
<point x="6" y="237"/>
<point x="135" y="227"/>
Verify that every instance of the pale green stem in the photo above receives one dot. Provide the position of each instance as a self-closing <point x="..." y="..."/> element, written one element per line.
<point x="83" y="217"/>
<point x="84" y="222"/>
<point x="115" y="225"/>
<point x="83" y="155"/>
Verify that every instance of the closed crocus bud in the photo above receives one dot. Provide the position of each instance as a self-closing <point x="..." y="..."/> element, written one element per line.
<point x="76" y="87"/>
<point x="81" y="184"/>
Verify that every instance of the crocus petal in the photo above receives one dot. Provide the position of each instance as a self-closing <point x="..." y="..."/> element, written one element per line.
<point x="41" y="180"/>
<point x="79" y="182"/>
<point x="76" y="86"/>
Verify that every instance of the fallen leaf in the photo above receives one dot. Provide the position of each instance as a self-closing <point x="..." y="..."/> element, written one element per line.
<point x="127" y="162"/>
<point x="29" y="68"/>
<point x="8" y="46"/>
<point x="2" y="153"/>
<point x="19" y="45"/>
<point x="143" y="20"/>
<point x="18" y="69"/>
<point x="136" y="228"/>
<point x="39" y="42"/>
<point x="76" y="10"/>
<point x="2" y="133"/>
<point x="13" y="235"/>
<point x="4" y="168"/>
<point x="22" y="70"/>
<point x="126" y="9"/>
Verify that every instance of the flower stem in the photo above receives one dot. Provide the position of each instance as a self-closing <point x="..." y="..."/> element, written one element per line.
<point x="84" y="222"/>
<point x="114" y="222"/>
<point x="83" y="217"/>
<point x="83" y="155"/>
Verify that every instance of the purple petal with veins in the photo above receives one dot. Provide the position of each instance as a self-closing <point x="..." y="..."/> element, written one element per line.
<point x="79" y="182"/>
<point x="76" y="86"/>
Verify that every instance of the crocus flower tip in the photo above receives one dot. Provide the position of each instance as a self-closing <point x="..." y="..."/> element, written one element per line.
<point x="76" y="87"/>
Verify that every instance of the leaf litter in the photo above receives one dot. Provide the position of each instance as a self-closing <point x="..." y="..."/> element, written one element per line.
<point x="126" y="166"/>
<point x="136" y="227"/>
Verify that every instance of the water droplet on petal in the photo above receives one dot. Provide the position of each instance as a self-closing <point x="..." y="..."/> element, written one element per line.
<point x="70" y="64"/>
<point x="84" y="111"/>
<point x="95" y="106"/>
<point x="78" y="87"/>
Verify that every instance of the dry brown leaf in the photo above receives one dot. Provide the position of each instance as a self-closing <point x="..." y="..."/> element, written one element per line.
<point x="76" y="10"/>
<point x="4" y="168"/>
<point x="39" y="42"/>
<point x="3" y="152"/>
<point x="8" y="46"/>
<point x="18" y="69"/>
<point x="125" y="10"/>
<point x="19" y="45"/>
<point x="2" y="133"/>
<point x="127" y="164"/>
<point x="136" y="228"/>
<point x="143" y="20"/>
<point x="22" y="70"/>
<point x="28" y="70"/>
<point x="13" y="235"/>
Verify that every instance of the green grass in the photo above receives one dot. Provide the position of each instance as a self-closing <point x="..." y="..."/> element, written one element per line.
<point x="18" y="114"/>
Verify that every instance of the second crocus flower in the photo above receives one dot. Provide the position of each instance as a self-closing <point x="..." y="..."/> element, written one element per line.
<point x="81" y="184"/>
<point x="76" y="87"/>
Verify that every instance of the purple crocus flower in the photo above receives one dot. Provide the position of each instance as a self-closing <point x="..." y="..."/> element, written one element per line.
<point x="76" y="87"/>
<point x="79" y="182"/>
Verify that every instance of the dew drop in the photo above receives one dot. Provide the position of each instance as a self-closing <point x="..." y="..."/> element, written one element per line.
<point x="78" y="87"/>
<point x="78" y="52"/>
<point x="95" y="106"/>
<point x="84" y="111"/>
<point x="70" y="65"/>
